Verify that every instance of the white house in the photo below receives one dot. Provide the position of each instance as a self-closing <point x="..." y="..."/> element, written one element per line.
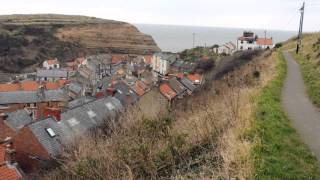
<point x="247" y="41"/>
<point x="161" y="63"/>
<point x="250" y="41"/>
<point x="51" y="64"/>
<point x="228" y="48"/>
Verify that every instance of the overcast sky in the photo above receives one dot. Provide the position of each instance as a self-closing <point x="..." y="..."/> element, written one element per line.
<point x="261" y="14"/>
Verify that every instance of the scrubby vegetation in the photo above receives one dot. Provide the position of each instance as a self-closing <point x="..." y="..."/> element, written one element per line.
<point x="279" y="152"/>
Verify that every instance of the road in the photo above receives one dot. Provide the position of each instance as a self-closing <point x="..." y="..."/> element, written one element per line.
<point x="303" y="114"/>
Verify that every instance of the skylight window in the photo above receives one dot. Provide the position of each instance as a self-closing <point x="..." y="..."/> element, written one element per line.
<point x="110" y="106"/>
<point x="73" y="122"/>
<point x="91" y="114"/>
<point x="50" y="132"/>
<point x="119" y="91"/>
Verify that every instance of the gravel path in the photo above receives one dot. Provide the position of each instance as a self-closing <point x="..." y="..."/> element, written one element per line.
<point x="304" y="116"/>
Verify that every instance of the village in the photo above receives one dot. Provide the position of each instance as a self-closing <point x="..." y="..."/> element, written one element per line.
<point x="42" y="111"/>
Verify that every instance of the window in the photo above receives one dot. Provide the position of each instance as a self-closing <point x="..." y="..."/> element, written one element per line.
<point x="50" y="132"/>
<point x="241" y="47"/>
<point x="241" y="42"/>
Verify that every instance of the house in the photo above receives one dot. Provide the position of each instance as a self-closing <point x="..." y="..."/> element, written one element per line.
<point x="35" y="101"/>
<point x="247" y="41"/>
<point x="265" y="43"/>
<point x="51" y="64"/>
<point x="40" y="142"/>
<point x="196" y="79"/>
<point x="52" y="75"/>
<point x="188" y="84"/>
<point x="75" y="90"/>
<point x="125" y="94"/>
<point x="9" y="169"/>
<point x="96" y="68"/>
<point x="161" y="63"/>
<point x="11" y="123"/>
<point x="140" y="88"/>
<point x="228" y="48"/>
<point x="177" y="87"/>
<point x="167" y="91"/>
<point x="250" y="41"/>
<point x="182" y="66"/>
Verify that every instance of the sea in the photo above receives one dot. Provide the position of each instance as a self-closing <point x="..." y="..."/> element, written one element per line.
<point x="175" y="38"/>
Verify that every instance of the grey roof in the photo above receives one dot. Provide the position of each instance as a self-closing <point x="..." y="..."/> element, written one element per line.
<point x="124" y="93"/>
<point x="80" y="101"/>
<point x="18" y="119"/>
<point x="188" y="84"/>
<point x="75" y="123"/>
<point x="177" y="86"/>
<point x="53" y="73"/>
<point x="75" y="87"/>
<point x="51" y="144"/>
<point x="100" y="59"/>
<point x="18" y="97"/>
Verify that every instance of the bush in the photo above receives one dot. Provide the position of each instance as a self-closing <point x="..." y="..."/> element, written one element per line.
<point x="278" y="45"/>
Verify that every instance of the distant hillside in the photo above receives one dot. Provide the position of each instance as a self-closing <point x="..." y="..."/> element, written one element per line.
<point x="27" y="40"/>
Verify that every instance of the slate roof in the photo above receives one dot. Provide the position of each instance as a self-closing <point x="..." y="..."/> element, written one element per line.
<point x="51" y="144"/>
<point x="75" y="87"/>
<point x="74" y="123"/>
<point x="18" y="119"/>
<point x="177" y="86"/>
<point x="80" y="101"/>
<point x="53" y="73"/>
<point x="18" y="97"/>
<point x="125" y="94"/>
<point x="188" y="84"/>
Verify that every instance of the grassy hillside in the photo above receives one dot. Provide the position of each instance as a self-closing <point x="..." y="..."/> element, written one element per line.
<point x="27" y="40"/>
<point x="279" y="152"/>
<point x="309" y="60"/>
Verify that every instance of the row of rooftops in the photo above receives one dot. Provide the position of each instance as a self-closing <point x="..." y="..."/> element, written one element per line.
<point x="54" y="133"/>
<point x="31" y="86"/>
<point x="178" y="85"/>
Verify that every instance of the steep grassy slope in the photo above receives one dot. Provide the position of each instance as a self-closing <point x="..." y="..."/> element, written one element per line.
<point x="27" y="40"/>
<point x="279" y="152"/>
<point x="309" y="60"/>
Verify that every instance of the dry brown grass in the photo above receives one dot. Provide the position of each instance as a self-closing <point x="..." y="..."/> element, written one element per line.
<point x="202" y="137"/>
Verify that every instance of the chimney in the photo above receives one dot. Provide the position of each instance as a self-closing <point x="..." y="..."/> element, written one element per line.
<point x="10" y="153"/>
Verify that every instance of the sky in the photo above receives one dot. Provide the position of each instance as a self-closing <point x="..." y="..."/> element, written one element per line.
<point x="258" y="14"/>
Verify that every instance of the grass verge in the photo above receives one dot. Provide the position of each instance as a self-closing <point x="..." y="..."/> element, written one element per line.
<point x="279" y="153"/>
<point x="311" y="77"/>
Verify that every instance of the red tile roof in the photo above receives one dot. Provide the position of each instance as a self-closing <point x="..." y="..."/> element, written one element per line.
<point x="7" y="173"/>
<point x="51" y="85"/>
<point x="166" y="90"/>
<point x="263" y="41"/>
<point x="52" y="61"/>
<point x="29" y="86"/>
<point x="195" y="78"/>
<point x="117" y="59"/>
<point x="9" y="87"/>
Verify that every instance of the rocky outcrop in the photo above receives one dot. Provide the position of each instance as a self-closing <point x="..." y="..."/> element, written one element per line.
<point x="28" y="40"/>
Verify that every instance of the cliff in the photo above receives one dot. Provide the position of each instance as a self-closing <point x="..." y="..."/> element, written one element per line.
<point x="28" y="40"/>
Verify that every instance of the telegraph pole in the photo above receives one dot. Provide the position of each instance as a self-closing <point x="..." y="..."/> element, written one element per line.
<point x="299" y="42"/>
<point x="194" y="37"/>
